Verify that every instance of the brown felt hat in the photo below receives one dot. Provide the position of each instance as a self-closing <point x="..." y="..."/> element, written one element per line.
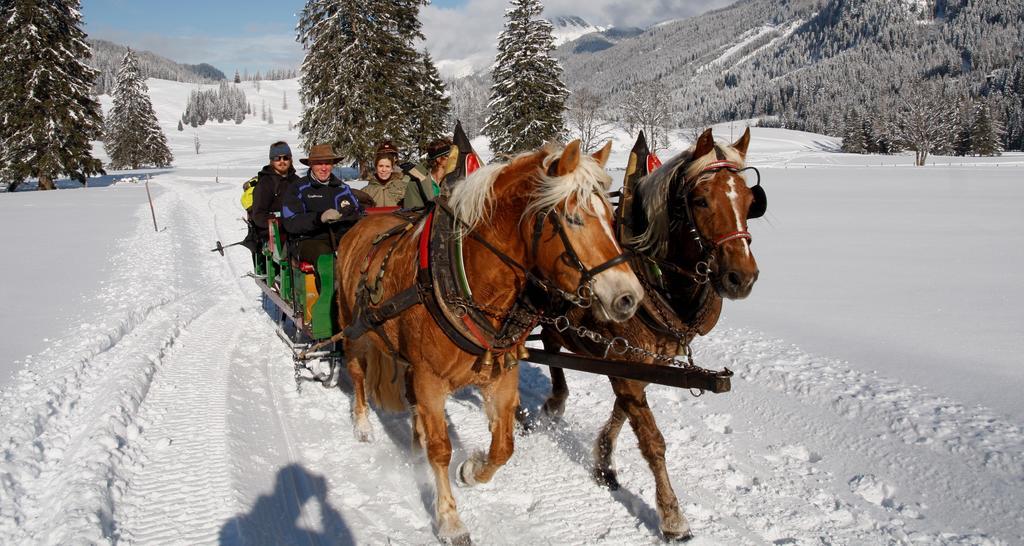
<point x="321" y="152"/>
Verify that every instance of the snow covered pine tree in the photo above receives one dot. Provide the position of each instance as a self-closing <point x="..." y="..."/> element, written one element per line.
<point x="360" y="74"/>
<point x="528" y="96"/>
<point x="133" y="136"/>
<point x="48" y="117"/>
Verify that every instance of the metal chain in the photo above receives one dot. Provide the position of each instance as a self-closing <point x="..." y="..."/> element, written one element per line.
<point x="621" y="346"/>
<point x="617" y="345"/>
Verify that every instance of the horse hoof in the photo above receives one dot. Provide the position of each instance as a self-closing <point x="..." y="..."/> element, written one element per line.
<point x="607" y="477"/>
<point x="524" y="421"/>
<point x="363" y="433"/>
<point x="458" y="540"/>
<point x="465" y="473"/>
<point x="554" y="410"/>
<point x="672" y="536"/>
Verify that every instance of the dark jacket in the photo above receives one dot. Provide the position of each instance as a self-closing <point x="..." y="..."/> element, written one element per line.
<point x="268" y="196"/>
<point x="306" y="199"/>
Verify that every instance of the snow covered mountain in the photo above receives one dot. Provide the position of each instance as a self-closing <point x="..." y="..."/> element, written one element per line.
<point x="106" y="57"/>
<point x="566" y="28"/>
<point x="799" y="60"/>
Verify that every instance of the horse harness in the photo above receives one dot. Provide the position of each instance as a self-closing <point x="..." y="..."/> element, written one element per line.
<point x="656" y="310"/>
<point x="442" y="288"/>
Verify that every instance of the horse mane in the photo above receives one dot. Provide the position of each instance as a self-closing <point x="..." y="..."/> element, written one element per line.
<point x="654" y="192"/>
<point x="472" y="200"/>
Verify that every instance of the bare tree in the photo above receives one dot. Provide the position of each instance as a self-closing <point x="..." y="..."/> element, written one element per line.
<point x="586" y="119"/>
<point x="195" y="141"/>
<point x="647" y="107"/>
<point x="923" y="122"/>
<point x="469" y="98"/>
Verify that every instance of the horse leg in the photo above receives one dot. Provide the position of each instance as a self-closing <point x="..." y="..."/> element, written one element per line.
<point x="554" y="406"/>
<point x="501" y="398"/>
<point x="419" y="439"/>
<point x="360" y="408"/>
<point x="604" y="469"/>
<point x="631" y="396"/>
<point x="430" y="398"/>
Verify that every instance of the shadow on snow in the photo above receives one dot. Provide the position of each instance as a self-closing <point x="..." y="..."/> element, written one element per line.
<point x="277" y="518"/>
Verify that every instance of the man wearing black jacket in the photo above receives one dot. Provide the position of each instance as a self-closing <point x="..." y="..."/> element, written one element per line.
<point x="272" y="181"/>
<point x="319" y="208"/>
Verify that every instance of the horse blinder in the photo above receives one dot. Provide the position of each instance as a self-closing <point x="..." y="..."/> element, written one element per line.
<point x="760" y="203"/>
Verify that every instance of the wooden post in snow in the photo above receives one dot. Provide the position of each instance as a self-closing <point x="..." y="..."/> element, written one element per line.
<point x="151" y="209"/>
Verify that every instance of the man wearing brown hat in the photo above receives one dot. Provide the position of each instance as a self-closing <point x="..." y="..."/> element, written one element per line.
<point x="319" y="208"/>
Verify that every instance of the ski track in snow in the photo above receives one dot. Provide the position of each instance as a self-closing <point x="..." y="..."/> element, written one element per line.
<point x="174" y="419"/>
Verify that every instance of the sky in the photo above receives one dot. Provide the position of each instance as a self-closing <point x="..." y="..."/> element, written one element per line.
<point x="260" y="34"/>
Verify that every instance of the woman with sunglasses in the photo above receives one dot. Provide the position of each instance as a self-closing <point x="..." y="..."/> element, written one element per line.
<point x="272" y="180"/>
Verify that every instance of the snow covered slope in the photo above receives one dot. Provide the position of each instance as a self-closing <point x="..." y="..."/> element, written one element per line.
<point x="158" y="406"/>
<point x="567" y="28"/>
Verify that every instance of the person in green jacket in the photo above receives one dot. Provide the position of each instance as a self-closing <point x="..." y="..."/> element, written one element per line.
<point x="425" y="179"/>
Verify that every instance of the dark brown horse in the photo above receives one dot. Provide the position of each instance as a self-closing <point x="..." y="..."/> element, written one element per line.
<point x="543" y="216"/>
<point x="692" y="244"/>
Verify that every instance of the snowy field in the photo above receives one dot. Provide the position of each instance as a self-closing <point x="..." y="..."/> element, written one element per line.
<point x="144" y="397"/>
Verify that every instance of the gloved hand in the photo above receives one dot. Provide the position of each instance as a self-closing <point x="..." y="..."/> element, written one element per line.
<point x="330" y="215"/>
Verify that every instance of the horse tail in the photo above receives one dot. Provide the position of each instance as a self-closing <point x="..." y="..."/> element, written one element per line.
<point x="385" y="379"/>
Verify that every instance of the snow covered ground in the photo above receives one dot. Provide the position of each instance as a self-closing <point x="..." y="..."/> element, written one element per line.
<point x="144" y="397"/>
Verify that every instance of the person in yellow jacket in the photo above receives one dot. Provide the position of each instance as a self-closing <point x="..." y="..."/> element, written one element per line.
<point x="425" y="179"/>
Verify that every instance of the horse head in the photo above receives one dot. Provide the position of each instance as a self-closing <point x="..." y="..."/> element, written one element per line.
<point x="564" y="224"/>
<point x="697" y="206"/>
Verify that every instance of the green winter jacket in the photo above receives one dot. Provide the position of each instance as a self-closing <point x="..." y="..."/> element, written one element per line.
<point x="420" y="185"/>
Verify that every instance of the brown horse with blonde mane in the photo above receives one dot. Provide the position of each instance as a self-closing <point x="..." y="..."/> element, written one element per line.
<point x="544" y="220"/>
<point x="692" y="249"/>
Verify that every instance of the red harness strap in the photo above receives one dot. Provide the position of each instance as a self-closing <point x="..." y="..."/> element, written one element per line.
<point x="744" y="234"/>
<point x="471" y="326"/>
<point x="718" y="165"/>
<point x="425" y="241"/>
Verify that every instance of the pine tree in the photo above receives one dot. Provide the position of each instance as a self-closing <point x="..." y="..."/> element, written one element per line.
<point x="284" y="101"/>
<point x="238" y="79"/>
<point x="47" y="117"/>
<point x="527" y="96"/>
<point x="270" y="116"/>
<point x="133" y="136"/>
<point x="962" y="124"/>
<point x="180" y="126"/>
<point x="432" y="112"/>
<point x="359" y="75"/>
<point x="986" y="133"/>
<point x="853" y="134"/>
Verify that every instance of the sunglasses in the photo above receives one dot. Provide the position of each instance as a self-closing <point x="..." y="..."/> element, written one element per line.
<point x="282" y="158"/>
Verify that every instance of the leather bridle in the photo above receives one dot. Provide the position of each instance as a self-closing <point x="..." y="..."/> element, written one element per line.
<point x="706" y="245"/>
